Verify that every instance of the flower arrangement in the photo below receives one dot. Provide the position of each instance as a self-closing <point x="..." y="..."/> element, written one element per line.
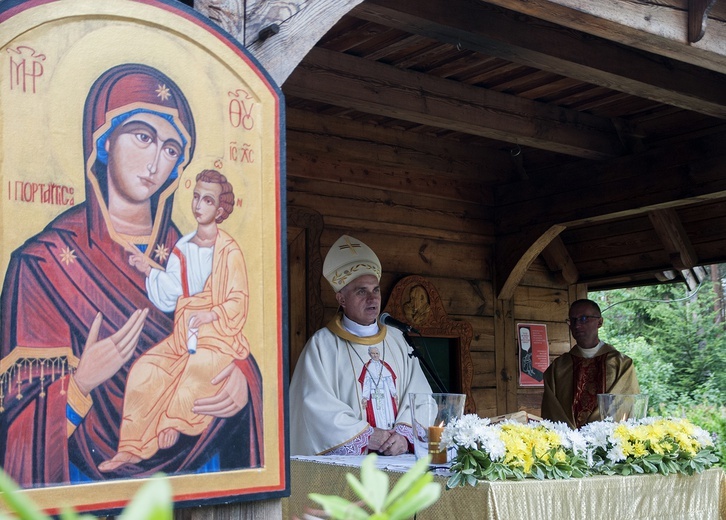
<point x="651" y="445"/>
<point x="547" y="450"/>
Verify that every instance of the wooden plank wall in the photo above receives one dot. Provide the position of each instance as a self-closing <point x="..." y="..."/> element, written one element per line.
<point x="412" y="199"/>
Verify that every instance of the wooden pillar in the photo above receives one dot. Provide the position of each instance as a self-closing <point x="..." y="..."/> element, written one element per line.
<point x="505" y="356"/>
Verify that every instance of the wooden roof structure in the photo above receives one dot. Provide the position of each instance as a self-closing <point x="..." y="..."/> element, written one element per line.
<point x="599" y="126"/>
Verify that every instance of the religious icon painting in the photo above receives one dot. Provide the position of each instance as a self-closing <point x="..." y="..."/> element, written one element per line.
<point x="142" y="257"/>
<point x="534" y="353"/>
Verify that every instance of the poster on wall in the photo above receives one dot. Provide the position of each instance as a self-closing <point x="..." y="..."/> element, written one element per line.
<point x="534" y="353"/>
<point x="141" y="259"/>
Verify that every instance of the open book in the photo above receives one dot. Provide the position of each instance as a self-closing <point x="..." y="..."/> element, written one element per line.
<point x="521" y="416"/>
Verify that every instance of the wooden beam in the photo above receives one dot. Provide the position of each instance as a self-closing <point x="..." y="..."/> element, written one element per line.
<point x="653" y="26"/>
<point x="700" y="273"/>
<point x="530" y="214"/>
<point x="619" y="280"/>
<point x="515" y="253"/>
<point x="369" y="86"/>
<point x="674" y="238"/>
<point x="677" y="175"/>
<point x="475" y="25"/>
<point x="558" y="260"/>
<point x="666" y="276"/>
<point x="228" y="14"/>
<point x="302" y="23"/>
<point x="690" y="278"/>
<point x="505" y="356"/>
<point x="697" y="18"/>
<point x="299" y="24"/>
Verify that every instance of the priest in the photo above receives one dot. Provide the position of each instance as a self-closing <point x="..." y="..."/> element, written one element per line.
<point x="573" y="380"/>
<point x="329" y="413"/>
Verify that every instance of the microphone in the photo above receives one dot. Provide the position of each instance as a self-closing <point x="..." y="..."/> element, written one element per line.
<point x="389" y="320"/>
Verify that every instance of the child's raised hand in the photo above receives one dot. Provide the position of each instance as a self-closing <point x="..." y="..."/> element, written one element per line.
<point x="140" y="263"/>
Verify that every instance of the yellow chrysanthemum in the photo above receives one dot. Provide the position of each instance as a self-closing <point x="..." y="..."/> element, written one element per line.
<point x="560" y="456"/>
<point x="627" y="447"/>
<point x="653" y="436"/>
<point x="639" y="449"/>
<point x="656" y="448"/>
<point x="525" y="444"/>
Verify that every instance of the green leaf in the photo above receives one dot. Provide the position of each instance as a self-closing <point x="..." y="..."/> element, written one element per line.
<point x="153" y="501"/>
<point x="537" y="473"/>
<point x="339" y="508"/>
<point x="373" y="486"/>
<point x="577" y="473"/>
<point x="408" y="479"/>
<point x="455" y="480"/>
<point x="480" y="457"/>
<point x="501" y="472"/>
<point x="19" y="503"/>
<point x="357" y="487"/>
<point x="411" y="503"/>
<point x="417" y="486"/>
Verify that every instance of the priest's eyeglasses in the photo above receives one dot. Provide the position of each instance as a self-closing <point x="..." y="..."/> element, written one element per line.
<point x="580" y="319"/>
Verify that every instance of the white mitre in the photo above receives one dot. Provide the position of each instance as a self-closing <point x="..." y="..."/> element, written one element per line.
<point x="347" y="260"/>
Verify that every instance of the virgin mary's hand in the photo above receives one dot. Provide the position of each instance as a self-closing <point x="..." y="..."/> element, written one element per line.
<point x="231" y="398"/>
<point x="101" y="359"/>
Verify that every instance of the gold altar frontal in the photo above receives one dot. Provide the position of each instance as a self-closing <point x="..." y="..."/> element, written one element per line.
<point x="641" y="497"/>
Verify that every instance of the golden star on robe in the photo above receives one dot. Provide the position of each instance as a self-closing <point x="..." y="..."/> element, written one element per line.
<point x="67" y="255"/>
<point x="161" y="252"/>
<point x="163" y="92"/>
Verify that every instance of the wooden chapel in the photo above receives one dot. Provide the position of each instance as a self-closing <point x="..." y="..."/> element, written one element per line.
<point x="513" y="155"/>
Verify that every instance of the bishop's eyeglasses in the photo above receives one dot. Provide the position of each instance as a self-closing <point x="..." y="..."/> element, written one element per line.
<point x="580" y="319"/>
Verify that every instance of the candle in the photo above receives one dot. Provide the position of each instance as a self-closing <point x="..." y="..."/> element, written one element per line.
<point x="438" y="455"/>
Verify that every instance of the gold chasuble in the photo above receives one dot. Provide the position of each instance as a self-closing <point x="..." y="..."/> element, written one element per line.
<point x="573" y="380"/>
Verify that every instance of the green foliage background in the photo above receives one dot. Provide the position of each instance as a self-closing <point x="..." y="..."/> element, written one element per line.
<point x="677" y="340"/>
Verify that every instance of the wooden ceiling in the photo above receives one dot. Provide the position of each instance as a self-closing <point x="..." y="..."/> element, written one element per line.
<point x="605" y="149"/>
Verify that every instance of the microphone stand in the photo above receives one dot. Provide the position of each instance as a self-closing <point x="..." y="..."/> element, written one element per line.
<point x="415" y="353"/>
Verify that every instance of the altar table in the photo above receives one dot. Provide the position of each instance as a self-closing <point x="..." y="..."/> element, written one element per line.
<point x="638" y="497"/>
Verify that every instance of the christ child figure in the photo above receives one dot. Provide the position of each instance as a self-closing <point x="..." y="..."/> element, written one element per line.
<point x="205" y="284"/>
